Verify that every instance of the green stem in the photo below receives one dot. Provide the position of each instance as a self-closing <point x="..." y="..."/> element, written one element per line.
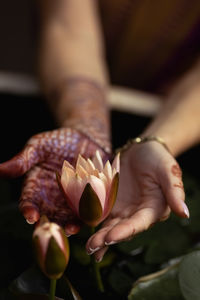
<point x="95" y="269"/>
<point x="52" y="290"/>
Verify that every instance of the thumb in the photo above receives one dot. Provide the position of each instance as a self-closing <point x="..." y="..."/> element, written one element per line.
<point x="20" y="163"/>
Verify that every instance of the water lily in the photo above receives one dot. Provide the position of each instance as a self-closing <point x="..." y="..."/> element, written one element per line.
<point x="51" y="247"/>
<point x="91" y="187"/>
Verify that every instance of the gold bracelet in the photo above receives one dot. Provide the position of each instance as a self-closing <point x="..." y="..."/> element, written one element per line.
<point x="141" y="140"/>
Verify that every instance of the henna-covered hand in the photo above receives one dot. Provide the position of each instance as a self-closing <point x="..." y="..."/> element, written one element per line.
<point x="41" y="157"/>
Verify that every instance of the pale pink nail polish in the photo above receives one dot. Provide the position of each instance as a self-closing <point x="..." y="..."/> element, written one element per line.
<point x="110" y="243"/>
<point x="186" y="210"/>
<point x="30" y="222"/>
<point x="91" y="251"/>
<point x="98" y="259"/>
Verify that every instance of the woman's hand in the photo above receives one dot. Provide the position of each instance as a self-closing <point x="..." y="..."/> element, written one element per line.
<point x="150" y="187"/>
<point x="41" y="157"/>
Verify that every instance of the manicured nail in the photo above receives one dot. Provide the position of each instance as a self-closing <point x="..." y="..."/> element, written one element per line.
<point x="30" y="221"/>
<point x="31" y="215"/>
<point x="186" y="210"/>
<point x="72" y="229"/>
<point x="110" y="243"/>
<point x="91" y="250"/>
<point x="98" y="259"/>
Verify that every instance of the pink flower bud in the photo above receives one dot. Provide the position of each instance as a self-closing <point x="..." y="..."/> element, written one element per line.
<point x="51" y="248"/>
<point x="91" y="187"/>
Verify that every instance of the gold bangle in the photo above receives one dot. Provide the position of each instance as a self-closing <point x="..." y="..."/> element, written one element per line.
<point x="141" y="140"/>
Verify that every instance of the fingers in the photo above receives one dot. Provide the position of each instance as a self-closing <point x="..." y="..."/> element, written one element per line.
<point x="20" y="163"/>
<point x="72" y="228"/>
<point x="97" y="240"/>
<point x="100" y="254"/>
<point x="30" y="213"/>
<point x="118" y="230"/>
<point x="172" y="186"/>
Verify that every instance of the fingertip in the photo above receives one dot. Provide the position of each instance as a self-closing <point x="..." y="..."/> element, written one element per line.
<point x="71" y="229"/>
<point x="181" y="209"/>
<point x="30" y="214"/>
<point x="185" y="210"/>
<point x="99" y="255"/>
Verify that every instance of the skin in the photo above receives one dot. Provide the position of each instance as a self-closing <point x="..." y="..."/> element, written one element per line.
<point x="149" y="183"/>
<point x="145" y="196"/>
<point x="40" y="159"/>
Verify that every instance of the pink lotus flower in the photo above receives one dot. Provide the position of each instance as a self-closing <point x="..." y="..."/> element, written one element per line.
<point x="90" y="188"/>
<point x="51" y="248"/>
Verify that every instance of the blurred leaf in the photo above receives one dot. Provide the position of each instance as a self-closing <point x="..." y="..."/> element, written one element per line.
<point x="29" y="282"/>
<point x="108" y="259"/>
<point x="172" y="242"/>
<point x="160" y="285"/>
<point x="137" y="268"/>
<point x="119" y="281"/>
<point x="189" y="276"/>
<point x="79" y="253"/>
<point x="192" y="191"/>
<point x="160" y="243"/>
<point x="66" y="289"/>
<point x="34" y="282"/>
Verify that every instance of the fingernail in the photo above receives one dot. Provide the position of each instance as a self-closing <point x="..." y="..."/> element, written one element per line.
<point x="72" y="229"/>
<point x="110" y="243"/>
<point x="91" y="251"/>
<point x="30" y="221"/>
<point x="98" y="259"/>
<point x="186" y="210"/>
<point x="31" y="215"/>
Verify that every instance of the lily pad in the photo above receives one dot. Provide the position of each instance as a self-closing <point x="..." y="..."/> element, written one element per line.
<point x="189" y="276"/>
<point x="33" y="282"/>
<point x="160" y="285"/>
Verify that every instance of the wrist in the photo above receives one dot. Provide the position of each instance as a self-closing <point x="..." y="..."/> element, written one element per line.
<point x="143" y="139"/>
<point x="82" y="104"/>
<point x="170" y="138"/>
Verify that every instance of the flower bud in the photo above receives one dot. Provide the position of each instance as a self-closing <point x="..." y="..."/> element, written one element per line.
<point x="51" y="248"/>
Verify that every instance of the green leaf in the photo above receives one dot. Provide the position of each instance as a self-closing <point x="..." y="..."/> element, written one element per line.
<point x="90" y="209"/>
<point x="167" y="246"/>
<point x="160" y="285"/>
<point x="189" y="276"/>
<point x="119" y="281"/>
<point x="30" y="282"/>
<point x="79" y="253"/>
<point x="34" y="283"/>
<point x="66" y="289"/>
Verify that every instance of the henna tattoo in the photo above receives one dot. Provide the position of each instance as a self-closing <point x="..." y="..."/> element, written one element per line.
<point x="179" y="185"/>
<point x="176" y="170"/>
<point x="43" y="155"/>
<point x="85" y="129"/>
<point x="83" y="106"/>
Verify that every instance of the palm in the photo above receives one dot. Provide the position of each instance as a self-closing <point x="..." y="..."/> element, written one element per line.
<point x="148" y="189"/>
<point x="42" y="156"/>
